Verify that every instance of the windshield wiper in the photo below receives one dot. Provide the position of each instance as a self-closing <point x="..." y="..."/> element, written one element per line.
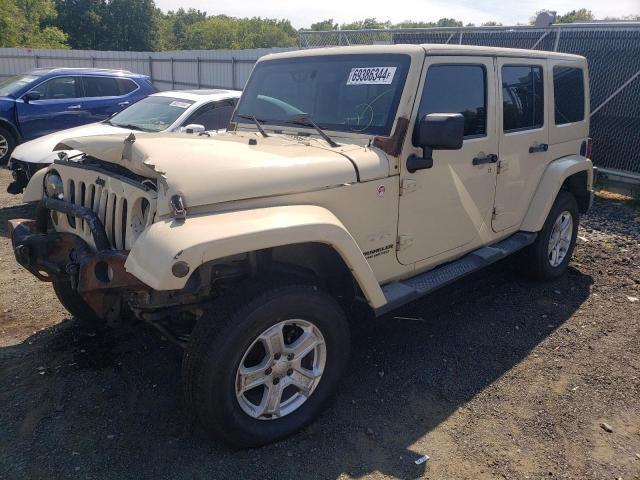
<point x="130" y="126"/>
<point x="255" y="120"/>
<point x="304" y="119"/>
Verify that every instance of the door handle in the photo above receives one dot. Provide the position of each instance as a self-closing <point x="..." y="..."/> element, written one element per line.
<point x="74" y="107"/>
<point x="543" y="147"/>
<point x="123" y="104"/>
<point x="491" y="158"/>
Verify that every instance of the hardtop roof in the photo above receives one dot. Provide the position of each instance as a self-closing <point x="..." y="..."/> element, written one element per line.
<point x="430" y="49"/>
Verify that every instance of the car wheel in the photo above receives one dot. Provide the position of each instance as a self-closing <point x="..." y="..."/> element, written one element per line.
<point x="7" y="144"/>
<point x="548" y="257"/>
<point x="260" y="367"/>
<point x="75" y="305"/>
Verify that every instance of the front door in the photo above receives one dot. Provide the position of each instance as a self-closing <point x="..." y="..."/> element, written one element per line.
<point x="524" y="138"/>
<point x="446" y="207"/>
<point x="58" y="108"/>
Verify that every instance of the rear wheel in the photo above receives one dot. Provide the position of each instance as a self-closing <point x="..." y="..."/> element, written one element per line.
<point x="549" y="256"/>
<point x="75" y="305"/>
<point x="7" y="144"/>
<point x="258" y="370"/>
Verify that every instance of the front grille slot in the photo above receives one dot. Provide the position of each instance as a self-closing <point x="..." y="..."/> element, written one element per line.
<point x="113" y="210"/>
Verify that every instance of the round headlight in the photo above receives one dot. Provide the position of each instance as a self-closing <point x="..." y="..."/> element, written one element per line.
<point x="53" y="185"/>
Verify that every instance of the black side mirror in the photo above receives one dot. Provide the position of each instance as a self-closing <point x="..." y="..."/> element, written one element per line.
<point x="436" y="131"/>
<point x="32" y="95"/>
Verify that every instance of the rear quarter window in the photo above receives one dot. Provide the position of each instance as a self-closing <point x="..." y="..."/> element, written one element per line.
<point x="568" y="94"/>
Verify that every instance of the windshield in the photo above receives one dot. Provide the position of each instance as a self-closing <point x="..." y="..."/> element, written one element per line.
<point x="349" y="93"/>
<point x="151" y="114"/>
<point x="14" y="84"/>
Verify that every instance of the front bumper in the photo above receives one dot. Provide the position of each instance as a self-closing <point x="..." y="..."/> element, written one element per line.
<point x="98" y="276"/>
<point x="22" y="173"/>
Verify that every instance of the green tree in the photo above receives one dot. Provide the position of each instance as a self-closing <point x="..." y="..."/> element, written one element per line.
<point x="9" y="23"/>
<point x="36" y="19"/>
<point x="130" y="25"/>
<point x="576" y="16"/>
<point x="173" y="27"/>
<point x="225" y="32"/>
<point x="324" y="25"/>
<point x="414" y="24"/>
<point x="367" y="23"/>
<point x="448" y="22"/>
<point x="491" y="24"/>
<point x="83" y="21"/>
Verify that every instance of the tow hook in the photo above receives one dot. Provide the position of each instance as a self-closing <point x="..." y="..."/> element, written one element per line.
<point x="72" y="270"/>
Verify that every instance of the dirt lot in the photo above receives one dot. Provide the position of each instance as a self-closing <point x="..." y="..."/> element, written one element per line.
<point x="494" y="377"/>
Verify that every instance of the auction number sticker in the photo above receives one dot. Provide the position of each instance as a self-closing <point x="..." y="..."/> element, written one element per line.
<point x="371" y="76"/>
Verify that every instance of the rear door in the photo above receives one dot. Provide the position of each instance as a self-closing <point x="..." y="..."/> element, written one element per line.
<point x="445" y="208"/>
<point x="59" y="107"/>
<point x="524" y="137"/>
<point x="105" y="96"/>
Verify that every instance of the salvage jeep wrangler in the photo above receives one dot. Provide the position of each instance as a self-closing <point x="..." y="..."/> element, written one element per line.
<point x="368" y="175"/>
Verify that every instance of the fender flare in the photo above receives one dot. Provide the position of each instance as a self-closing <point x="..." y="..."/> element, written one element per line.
<point x="203" y="238"/>
<point x="550" y="184"/>
<point x="34" y="191"/>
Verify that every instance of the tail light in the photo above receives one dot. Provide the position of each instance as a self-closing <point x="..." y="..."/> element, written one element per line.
<point x="586" y="148"/>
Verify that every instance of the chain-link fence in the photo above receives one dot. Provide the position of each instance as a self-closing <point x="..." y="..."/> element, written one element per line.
<point x="612" y="50"/>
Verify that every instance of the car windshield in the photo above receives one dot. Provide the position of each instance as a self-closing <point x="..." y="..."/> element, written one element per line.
<point x="14" y="84"/>
<point x="348" y="93"/>
<point x="151" y="114"/>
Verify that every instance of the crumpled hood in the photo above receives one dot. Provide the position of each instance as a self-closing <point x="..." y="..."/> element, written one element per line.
<point x="234" y="166"/>
<point x="40" y="150"/>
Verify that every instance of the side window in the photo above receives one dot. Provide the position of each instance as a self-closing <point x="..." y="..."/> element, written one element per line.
<point x="100" y="87"/>
<point x="522" y="97"/>
<point x="59" y="88"/>
<point x="126" y="86"/>
<point x="213" y="117"/>
<point x="568" y="94"/>
<point x="457" y="89"/>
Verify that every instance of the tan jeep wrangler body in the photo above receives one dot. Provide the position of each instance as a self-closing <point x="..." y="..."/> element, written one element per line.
<point x="439" y="160"/>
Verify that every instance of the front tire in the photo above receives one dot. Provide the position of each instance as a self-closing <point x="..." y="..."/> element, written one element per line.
<point x="548" y="257"/>
<point x="7" y="144"/>
<point x="260" y="366"/>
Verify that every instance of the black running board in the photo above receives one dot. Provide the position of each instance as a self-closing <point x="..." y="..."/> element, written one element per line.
<point x="405" y="291"/>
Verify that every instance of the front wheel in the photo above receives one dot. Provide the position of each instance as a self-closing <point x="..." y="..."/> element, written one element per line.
<point x="7" y="144"/>
<point x="257" y="371"/>
<point x="548" y="257"/>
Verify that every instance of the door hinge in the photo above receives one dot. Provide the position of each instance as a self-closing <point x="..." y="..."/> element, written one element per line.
<point x="408" y="186"/>
<point x="502" y="166"/>
<point x="404" y="241"/>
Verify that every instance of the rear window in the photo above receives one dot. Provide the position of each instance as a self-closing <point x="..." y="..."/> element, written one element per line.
<point x="568" y="94"/>
<point x="101" y="87"/>
<point x="522" y="97"/>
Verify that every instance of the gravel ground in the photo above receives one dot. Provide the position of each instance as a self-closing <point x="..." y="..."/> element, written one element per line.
<point x="515" y="380"/>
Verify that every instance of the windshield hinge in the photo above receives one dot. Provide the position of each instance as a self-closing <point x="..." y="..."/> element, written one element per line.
<point x="408" y="185"/>
<point x="404" y="241"/>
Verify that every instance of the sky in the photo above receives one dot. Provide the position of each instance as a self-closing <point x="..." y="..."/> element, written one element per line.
<point x="302" y="13"/>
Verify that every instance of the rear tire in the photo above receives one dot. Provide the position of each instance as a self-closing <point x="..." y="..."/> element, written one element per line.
<point x="7" y="144"/>
<point x="229" y="341"/>
<point x="76" y="306"/>
<point x="548" y="257"/>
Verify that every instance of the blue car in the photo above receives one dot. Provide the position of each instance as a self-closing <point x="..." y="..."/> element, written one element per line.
<point x="47" y="100"/>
